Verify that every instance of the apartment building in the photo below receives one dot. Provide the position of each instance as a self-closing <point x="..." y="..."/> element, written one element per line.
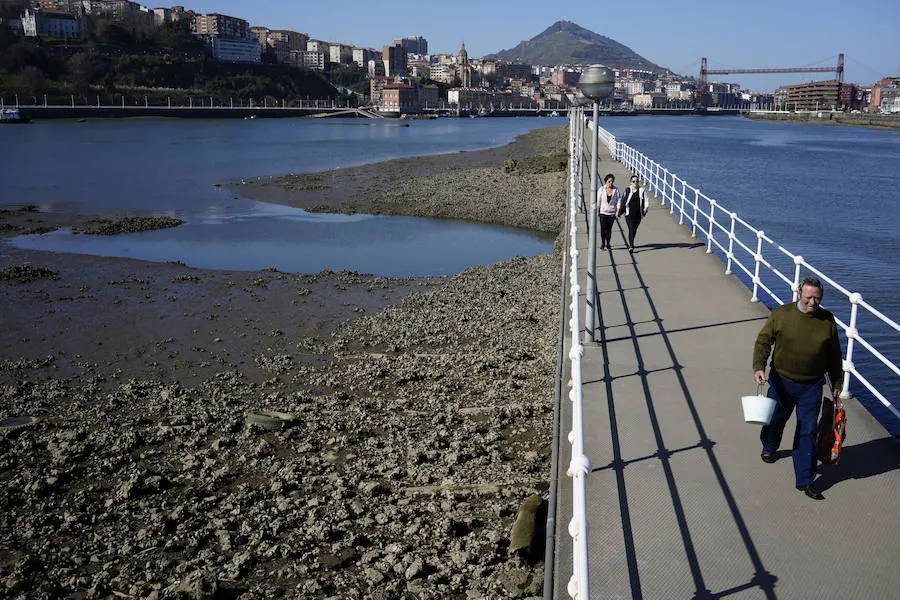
<point x="340" y="53"/>
<point x="650" y="100"/>
<point x="376" y="87"/>
<point x="313" y="59"/>
<point x="817" y="95"/>
<point x="505" y="70"/>
<point x="885" y="96"/>
<point x="294" y="39"/>
<point x="468" y="97"/>
<point x="170" y="15"/>
<point x="376" y="66"/>
<point x="399" y="98"/>
<point x="226" y="49"/>
<point x="51" y="24"/>
<point x="215" y="24"/>
<point x="443" y="73"/>
<point x="261" y="34"/>
<point x="394" y="58"/>
<point x="362" y="56"/>
<point x="565" y="77"/>
<point x="429" y="95"/>
<point x="117" y="9"/>
<point x="413" y="45"/>
<point x="633" y="88"/>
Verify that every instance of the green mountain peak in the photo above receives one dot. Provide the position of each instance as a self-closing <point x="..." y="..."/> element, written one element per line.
<point x="567" y="43"/>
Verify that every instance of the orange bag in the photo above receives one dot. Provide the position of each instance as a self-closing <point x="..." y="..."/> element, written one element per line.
<point x="832" y="431"/>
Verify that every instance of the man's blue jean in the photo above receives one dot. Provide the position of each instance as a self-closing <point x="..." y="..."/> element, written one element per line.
<point x="807" y="398"/>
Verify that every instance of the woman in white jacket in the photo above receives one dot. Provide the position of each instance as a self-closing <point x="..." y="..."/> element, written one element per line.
<point x="636" y="207"/>
<point x="609" y="206"/>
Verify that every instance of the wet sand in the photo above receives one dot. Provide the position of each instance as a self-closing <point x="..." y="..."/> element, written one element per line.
<point x="421" y="407"/>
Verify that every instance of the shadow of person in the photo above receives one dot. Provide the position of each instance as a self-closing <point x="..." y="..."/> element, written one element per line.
<point x="649" y="247"/>
<point x="868" y="459"/>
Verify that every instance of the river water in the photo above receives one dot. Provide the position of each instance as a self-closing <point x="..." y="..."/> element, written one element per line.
<point x="831" y="194"/>
<point x="177" y="168"/>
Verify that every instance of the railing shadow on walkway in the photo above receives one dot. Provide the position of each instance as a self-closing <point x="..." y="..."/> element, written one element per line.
<point x="762" y="578"/>
<point x="679" y="504"/>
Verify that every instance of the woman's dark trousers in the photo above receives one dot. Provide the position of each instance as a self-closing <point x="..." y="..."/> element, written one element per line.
<point x="606" y="225"/>
<point x="633" y="222"/>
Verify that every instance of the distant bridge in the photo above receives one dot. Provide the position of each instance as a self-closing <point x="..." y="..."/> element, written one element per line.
<point x="702" y="96"/>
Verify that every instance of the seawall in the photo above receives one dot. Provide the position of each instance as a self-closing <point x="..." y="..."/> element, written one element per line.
<point x="824" y="117"/>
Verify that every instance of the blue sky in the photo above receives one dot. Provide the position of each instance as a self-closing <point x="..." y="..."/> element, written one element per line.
<point x="749" y="35"/>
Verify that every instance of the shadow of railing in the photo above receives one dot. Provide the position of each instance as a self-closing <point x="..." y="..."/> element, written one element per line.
<point x="762" y="579"/>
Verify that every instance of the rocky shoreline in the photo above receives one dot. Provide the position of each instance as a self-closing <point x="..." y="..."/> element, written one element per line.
<point x="412" y="416"/>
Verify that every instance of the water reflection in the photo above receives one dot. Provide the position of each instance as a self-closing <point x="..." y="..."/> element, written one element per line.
<point x="268" y="236"/>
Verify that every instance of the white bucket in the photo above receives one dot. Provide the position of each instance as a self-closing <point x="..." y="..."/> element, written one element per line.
<point x="758" y="409"/>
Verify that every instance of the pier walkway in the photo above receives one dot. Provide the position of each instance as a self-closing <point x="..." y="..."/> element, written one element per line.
<point x="679" y="503"/>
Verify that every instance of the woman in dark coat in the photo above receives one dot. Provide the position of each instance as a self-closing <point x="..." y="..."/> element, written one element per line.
<point x="636" y="207"/>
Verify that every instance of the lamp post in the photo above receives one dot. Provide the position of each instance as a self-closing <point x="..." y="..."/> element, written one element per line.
<point x="596" y="83"/>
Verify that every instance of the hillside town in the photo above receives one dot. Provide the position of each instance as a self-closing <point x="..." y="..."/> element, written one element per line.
<point x="405" y="78"/>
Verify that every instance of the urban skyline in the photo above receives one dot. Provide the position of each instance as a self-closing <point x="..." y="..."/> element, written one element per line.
<point x="767" y="34"/>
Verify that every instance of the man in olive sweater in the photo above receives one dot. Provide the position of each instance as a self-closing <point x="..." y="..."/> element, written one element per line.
<point x="807" y="348"/>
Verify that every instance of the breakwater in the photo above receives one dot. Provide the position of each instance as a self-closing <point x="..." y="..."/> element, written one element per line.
<point x="827" y="117"/>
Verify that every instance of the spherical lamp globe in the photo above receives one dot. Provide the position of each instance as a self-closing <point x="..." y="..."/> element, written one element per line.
<point x="596" y="82"/>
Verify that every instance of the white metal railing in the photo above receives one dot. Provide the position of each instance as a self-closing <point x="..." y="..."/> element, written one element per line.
<point x="734" y="238"/>
<point x="579" y="465"/>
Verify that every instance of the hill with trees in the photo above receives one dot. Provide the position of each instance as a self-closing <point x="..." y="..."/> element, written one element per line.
<point x="130" y="59"/>
<point x="565" y="43"/>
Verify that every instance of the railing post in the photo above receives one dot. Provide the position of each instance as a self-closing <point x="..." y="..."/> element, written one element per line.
<point x="852" y="334"/>
<point x="712" y="222"/>
<point x="730" y="244"/>
<point x="683" y="200"/>
<point x="758" y="261"/>
<point x="694" y="218"/>
<point x="795" y="286"/>
<point x="665" y="186"/>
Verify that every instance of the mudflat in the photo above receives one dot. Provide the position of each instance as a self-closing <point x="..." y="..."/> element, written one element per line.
<point x="409" y="418"/>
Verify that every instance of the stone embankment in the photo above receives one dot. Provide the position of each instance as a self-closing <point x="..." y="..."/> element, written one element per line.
<point x="826" y="117"/>
<point x="408" y="427"/>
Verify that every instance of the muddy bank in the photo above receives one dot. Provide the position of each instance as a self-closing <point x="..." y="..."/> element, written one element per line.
<point x="467" y="186"/>
<point x="420" y="412"/>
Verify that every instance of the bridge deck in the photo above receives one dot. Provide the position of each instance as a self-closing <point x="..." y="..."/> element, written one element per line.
<point x="679" y="503"/>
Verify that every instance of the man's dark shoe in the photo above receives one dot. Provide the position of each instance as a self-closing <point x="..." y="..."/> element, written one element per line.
<point x="811" y="491"/>
<point x="768" y="457"/>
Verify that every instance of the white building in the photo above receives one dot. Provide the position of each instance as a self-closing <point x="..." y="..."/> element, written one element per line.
<point x="637" y="87"/>
<point x="318" y="46"/>
<point x="314" y="60"/>
<point x="340" y="53"/>
<point x="52" y="25"/>
<point x="362" y="56"/>
<point x="245" y="50"/>
<point x="443" y="72"/>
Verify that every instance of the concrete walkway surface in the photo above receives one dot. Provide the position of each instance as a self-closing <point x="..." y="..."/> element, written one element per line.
<point x="680" y="505"/>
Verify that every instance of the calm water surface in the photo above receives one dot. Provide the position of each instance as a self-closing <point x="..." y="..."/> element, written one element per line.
<point x="174" y="167"/>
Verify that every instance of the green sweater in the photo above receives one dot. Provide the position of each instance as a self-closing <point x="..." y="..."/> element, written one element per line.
<point x="806" y="345"/>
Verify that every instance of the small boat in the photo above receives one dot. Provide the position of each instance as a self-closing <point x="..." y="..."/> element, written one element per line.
<point x="12" y="115"/>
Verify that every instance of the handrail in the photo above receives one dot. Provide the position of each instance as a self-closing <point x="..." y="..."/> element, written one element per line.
<point x="707" y="219"/>
<point x="579" y="465"/>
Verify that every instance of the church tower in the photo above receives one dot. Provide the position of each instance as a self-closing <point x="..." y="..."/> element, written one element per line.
<point x="463" y="67"/>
